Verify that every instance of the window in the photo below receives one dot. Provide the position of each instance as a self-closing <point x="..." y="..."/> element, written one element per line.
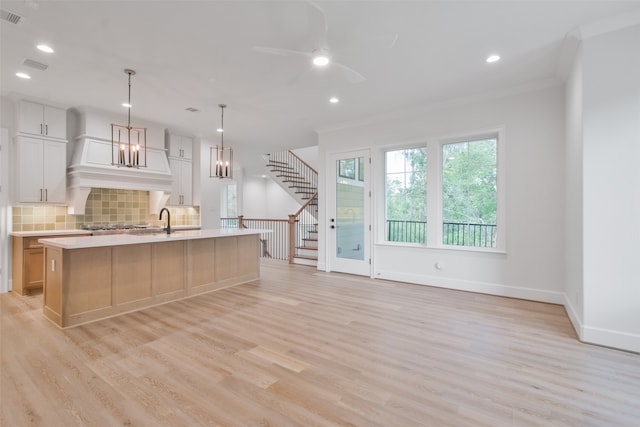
<point x="469" y="193"/>
<point x="229" y="203"/>
<point x="406" y="195"/>
<point x="446" y="194"/>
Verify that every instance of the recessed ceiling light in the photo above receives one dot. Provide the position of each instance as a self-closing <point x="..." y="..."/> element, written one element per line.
<point x="334" y="100"/>
<point x="320" y="57"/>
<point x="493" y="58"/>
<point x="126" y="105"/>
<point x="23" y="76"/>
<point x="45" y="48"/>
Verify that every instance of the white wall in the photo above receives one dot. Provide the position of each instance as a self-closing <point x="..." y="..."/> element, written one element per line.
<point x="264" y="198"/>
<point x="532" y="266"/>
<point x="5" y="212"/>
<point x="611" y="147"/>
<point x="7" y="128"/>
<point x="573" y="195"/>
<point x="309" y="155"/>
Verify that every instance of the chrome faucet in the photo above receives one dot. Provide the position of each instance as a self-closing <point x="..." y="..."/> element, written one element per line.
<point x="168" y="219"/>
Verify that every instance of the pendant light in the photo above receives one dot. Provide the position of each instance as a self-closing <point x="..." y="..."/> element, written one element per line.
<point x="128" y="142"/>
<point x="221" y="157"/>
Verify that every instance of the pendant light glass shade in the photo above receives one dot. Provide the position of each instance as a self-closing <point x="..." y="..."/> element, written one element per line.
<point x="221" y="157"/>
<point x="128" y="143"/>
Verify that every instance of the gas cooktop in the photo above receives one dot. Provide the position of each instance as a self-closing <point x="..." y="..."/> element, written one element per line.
<point x="93" y="227"/>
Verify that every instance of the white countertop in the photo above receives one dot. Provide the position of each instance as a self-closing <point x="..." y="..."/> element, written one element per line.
<point x="47" y="233"/>
<point x="134" y="239"/>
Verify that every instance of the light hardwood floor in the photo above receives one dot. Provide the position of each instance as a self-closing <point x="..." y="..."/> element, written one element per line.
<point x="306" y="348"/>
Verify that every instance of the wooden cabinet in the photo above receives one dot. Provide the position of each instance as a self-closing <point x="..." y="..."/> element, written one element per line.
<point x="43" y="120"/>
<point x="28" y="263"/>
<point x="41" y="170"/>
<point x="90" y="283"/>
<point x="182" y="188"/>
<point x="180" y="146"/>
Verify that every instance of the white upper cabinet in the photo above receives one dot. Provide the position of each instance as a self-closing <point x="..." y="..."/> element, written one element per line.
<point x="182" y="188"/>
<point x="41" y="170"/>
<point x="180" y="146"/>
<point x="42" y="120"/>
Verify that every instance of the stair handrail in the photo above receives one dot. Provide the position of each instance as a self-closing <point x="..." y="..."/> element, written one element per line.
<point x="302" y="161"/>
<point x="297" y="214"/>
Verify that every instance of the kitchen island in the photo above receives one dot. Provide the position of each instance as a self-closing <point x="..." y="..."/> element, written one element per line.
<point x="94" y="277"/>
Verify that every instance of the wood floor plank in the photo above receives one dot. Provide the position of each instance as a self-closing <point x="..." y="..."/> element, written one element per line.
<point x="306" y="348"/>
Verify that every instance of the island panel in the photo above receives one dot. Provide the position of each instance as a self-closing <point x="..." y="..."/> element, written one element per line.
<point x="168" y="268"/>
<point x="92" y="280"/>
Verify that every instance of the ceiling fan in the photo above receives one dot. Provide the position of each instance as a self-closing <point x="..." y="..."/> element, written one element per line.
<point x="320" y="56"/>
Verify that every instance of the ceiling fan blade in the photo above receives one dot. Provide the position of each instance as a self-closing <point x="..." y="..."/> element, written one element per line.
<point x="352" y="75"/>
<point x="280" y="52"/>
<point x="317" y="14"/>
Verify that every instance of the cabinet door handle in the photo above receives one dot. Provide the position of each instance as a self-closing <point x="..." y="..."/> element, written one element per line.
<point x="40" y="128"/>
<point x="46" y="194"/>
<point x="41" y="194"/>
<point x="46" y="129"/>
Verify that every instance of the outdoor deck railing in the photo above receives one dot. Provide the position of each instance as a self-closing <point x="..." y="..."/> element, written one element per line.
<point x="453" y="233"/>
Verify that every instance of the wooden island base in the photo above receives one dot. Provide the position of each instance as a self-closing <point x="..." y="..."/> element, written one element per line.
<point x="90" y="283"/>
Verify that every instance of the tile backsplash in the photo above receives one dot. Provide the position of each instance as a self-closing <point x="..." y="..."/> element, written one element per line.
<point x="104" y="206"/>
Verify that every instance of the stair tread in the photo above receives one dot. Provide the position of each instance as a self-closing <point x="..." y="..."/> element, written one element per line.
<point x="309" y="257"/>
<point x="273" y="163"/>
<point x="308" y="248"/>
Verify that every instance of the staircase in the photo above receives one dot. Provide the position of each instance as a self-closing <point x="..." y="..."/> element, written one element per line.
<point x="301" y="182"/>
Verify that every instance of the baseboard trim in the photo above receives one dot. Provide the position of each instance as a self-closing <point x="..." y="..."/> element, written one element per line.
<point x="575" y="320"/>
<point x="476" y="286"/>
<point x="610" y="338"/>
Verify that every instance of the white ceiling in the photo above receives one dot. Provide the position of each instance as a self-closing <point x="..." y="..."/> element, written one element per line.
<point x="202" y="53"/>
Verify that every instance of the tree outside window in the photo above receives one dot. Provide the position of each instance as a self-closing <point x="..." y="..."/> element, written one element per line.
<point x="469" y="193"/>
<point x="406" y="195"/>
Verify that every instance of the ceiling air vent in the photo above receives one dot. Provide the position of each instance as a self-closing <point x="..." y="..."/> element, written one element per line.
<point x="35" y="64"/>
<point x="10" y="17"/>
<point x="191" y="109"/>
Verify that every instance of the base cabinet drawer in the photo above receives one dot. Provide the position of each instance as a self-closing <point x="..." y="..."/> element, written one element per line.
<point x="33" y="268"/>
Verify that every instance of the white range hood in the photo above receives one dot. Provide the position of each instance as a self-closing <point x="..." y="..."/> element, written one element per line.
<point x="91" y="168"/>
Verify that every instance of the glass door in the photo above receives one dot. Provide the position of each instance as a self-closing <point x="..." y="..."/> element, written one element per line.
<point x="350" y="214"/>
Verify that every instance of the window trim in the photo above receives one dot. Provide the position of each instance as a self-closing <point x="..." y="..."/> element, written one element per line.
<point x="434" y="148"/>
<point x="381" y="205"/>
<point x="434" y="184"/>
